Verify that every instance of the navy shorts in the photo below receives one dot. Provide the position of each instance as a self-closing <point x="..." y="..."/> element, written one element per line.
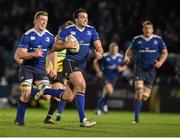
<point x="70" y="66"/>
<point x="59" y="78"/>
<point x="28" y="72"/>
<point x="148" y="76"/>
<point x="112" y="80"/>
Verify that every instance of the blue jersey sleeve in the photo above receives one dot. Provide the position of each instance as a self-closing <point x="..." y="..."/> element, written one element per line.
<point x="52" y="43"/>
<point x="95" y="35"/>
<point x="24" y="43"/>
<point x="162" y="45"/>
<point x="62" y="35"/>
<point x="132" y="45"/>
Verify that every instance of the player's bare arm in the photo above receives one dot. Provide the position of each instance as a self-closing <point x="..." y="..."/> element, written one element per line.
<point x="60" y="45"/>
<point x="162" y="59"/>
<point x="53" y="59"/>
<point x="98" y="49"/>
<point x="97" y="69"/>
<point x="24" y="54"/>
<point x="128" y="55"/>
<point x="17" y="59"/>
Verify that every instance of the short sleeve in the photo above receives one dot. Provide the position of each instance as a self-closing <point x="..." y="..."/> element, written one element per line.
<point x="62" y="35"/>
<point x="95" y="35"/>
<point x="162" y="44"/>
<point x="24" y="42"/>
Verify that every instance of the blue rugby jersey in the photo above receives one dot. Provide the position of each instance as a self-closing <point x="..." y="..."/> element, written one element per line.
<point x="109" y="64"/>
<point x="85" y="37"/>
<point x="32" y="40"/>
<point x="147" y="50"/>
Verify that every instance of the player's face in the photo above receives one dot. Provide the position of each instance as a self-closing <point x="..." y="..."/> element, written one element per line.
<point x="41" y="22"/>
<point x="82" y="19"/>
<point x="148" y="30"/>
<point x="114" y="50"/>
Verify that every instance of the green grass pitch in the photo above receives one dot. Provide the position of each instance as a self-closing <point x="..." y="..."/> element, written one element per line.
<point x="115" y="124"/>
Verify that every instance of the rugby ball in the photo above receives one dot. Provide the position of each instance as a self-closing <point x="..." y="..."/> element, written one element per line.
<point x="75" y="42"/>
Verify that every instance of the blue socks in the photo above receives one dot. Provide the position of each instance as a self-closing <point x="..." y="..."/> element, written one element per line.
<point x="21" y="109"/>
<point x="80" y="104"/>
<point x="61" y="107"/>
<point x="137" y="109"/>
<point x="102" y="101"/>
<point x="56" y="93"/>
<point x="33" y="92"/>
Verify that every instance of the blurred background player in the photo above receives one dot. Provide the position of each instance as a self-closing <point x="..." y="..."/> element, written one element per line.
<point x="32" y="52"/>
<point x="58" y="82"/>
<point x="149" y="52"/>
<point x="107" y="70"/>
<point x="75" y="63"/>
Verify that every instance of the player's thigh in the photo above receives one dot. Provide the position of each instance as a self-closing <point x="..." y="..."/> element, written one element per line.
<point x="109" y="88"/>
<point x="139" y="88"/>
<point x="26" y="79"/>
<point x="77" y="79"/>
<point x="41" y="79"/>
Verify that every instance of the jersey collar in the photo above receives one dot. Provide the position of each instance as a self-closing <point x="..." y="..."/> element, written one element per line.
<point x="81" y="30"/>
<point x="33" y="29"/>
<point x="147" y="39"/>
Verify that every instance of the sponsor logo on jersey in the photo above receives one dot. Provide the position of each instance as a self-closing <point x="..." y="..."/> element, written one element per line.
<point x="33" y="38"/>
<point x="47" y="39"/>
<point x="88" y="33"/>
<point x="73" y="33"/>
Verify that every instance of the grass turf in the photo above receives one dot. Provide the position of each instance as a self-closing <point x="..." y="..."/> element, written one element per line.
<point x="115" y="124"/>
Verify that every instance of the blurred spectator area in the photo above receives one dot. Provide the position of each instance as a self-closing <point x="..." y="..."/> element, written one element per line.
<point x="117" y="20"/>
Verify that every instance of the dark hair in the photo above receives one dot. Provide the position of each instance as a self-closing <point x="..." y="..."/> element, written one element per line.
<point x="39" y="13"/>
<point x="77" y="11"/>
<point x="147" y="22"/>
<point x="67" y="23"/>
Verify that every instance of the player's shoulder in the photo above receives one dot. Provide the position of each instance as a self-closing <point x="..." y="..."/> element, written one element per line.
<point x="69" y="27"/>
<point x="120" y="54"/>
<point x="157" y="37"/>
<point x="30" y="31"/>
<point x="48" y="33"/>
<point x="90" y="27"/>
<point x="137" y="37"/>
<point x="106" y="54"/>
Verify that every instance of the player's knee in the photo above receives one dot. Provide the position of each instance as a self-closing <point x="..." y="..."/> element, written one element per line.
<point x="80" y="87"/>
<point x="25" y="89"/>
<point x="139" y="92"/>
<point x="110" y="92"/>
<point x="25" y="86"/>
<point x="25" y="96"/>
<point x="70" y="98"/>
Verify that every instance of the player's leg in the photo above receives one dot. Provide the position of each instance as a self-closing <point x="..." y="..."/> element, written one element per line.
<point x="79" y="84"/>
<point x="146" y="93"/>
<point x="102" y="102"/>
<point x="60" y="109"/>
<point x="26" y="78"/>
<point x="45" y="89"/>
<point x="25" y="87"/>
<point x="108" y="92"/>
<point x="54" y="102"/>
<point x="148" y="84"/>
<point x="139" y="88"/>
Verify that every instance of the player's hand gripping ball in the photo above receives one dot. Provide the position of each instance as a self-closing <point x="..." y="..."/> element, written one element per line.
<point x="75" y="43"/>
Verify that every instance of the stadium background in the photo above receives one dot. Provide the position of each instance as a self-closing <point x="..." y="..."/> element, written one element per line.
<point x="117" y="20"/>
